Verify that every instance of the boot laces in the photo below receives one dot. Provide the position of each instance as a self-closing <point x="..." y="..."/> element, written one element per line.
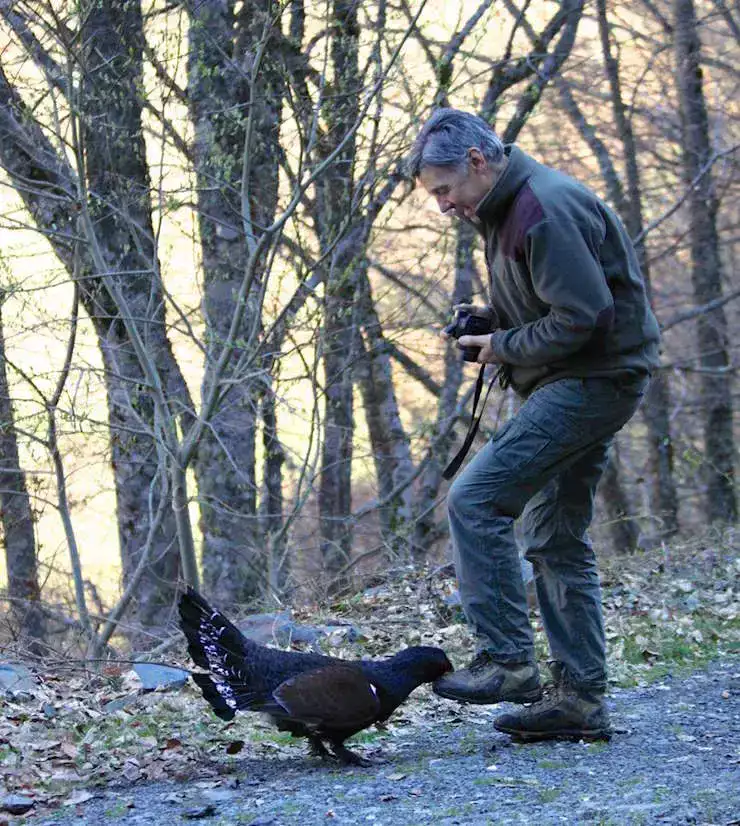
<point x="481" y="661"/>
<point x="552" y="694"/>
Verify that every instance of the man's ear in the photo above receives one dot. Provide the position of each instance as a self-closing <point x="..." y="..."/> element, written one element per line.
<point x="477" y="159"/>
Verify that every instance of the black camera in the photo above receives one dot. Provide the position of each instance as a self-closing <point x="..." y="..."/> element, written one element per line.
<point x="468" y="324"/>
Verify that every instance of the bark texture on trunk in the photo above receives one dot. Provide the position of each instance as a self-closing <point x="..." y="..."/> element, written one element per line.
<point x="117" y="177"/>
<point x="430" y="480"/>
<point x="339" y="339"/>
<point x="16" y="518"/>
<point x="664" y="495"/>
<point x="623" y="529"/>
<point x="227" y="88"/>
<point x="390" y="444"/>
<point x="706" y="273"/>
<point x="271" y="504"/>
<point x="47" y="185"/>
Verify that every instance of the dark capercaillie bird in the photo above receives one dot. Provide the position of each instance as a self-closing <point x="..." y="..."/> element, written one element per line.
<point x="324" y="699"/>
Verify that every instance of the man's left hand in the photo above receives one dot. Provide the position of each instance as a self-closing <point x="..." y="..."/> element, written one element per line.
<point x="486" y="355"/>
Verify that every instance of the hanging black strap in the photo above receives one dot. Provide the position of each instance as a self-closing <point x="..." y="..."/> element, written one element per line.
<point x="503" y="378"/>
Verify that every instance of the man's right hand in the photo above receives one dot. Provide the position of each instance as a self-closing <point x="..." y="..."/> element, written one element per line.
<point x="475" y="309"/>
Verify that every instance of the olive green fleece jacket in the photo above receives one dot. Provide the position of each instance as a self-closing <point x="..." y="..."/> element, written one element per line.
<point x="565" y="283"/>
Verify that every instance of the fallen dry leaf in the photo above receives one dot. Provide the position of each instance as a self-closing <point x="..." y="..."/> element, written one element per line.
<point x="78" y="796"/>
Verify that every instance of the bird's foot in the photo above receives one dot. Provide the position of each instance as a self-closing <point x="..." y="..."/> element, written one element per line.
<point x="318" y="749"/>
<point x="350" y="758"/>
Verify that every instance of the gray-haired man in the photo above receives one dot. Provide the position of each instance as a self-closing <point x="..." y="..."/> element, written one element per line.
<point x="571" y="323"/>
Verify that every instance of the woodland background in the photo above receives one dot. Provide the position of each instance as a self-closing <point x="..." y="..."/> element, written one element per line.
<point x="221" y="295"/>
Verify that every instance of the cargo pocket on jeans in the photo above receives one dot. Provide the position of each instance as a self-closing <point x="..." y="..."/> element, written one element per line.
<point x="519" y="443"/>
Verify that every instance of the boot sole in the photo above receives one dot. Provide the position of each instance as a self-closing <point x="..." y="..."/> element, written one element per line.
<point x="558" y="734"/>
<point x="491" y="699"/>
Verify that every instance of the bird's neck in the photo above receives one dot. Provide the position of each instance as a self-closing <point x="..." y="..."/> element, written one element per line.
<point x="394" y="682"/>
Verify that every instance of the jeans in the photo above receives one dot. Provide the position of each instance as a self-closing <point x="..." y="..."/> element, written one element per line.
<point x="543" y="465"/>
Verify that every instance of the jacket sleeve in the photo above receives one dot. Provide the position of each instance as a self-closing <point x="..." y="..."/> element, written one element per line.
<point x="566" y="276"/>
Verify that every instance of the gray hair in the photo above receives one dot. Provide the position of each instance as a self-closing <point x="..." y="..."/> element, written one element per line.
<point x="446" y="137"/>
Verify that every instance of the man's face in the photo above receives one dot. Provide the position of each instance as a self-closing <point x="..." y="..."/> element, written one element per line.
<point x="458" y="192"/>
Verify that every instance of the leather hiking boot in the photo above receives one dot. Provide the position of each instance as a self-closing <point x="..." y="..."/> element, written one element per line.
<point x="565" y="713"/>
<point x="488" y="681"/>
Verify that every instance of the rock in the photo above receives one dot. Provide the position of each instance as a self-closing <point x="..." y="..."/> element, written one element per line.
<point x="154" y="676"/>
<point x="200" y="814"/>
<point x="279" y="629"/>
<point x="16" y="680"/>
<point x="77" y="797"/>
<point x="16" y="804"/>
<point x="219" y="795"/>
<point x="341" y="633"/>
<point x="120" y="703"/>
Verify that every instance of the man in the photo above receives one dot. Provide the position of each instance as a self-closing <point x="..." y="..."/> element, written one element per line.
<point x="572" y="325"/>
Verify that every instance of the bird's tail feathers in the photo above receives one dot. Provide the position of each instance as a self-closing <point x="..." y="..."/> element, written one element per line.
<point x="219" y="647"/>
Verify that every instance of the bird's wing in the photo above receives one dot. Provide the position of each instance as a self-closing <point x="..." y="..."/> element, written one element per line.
<point x="336" y="696"/>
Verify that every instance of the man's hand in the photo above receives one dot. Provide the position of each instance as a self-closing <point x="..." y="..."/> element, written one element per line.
<point x="474" y="309"/>
<point x="486" y="355"/>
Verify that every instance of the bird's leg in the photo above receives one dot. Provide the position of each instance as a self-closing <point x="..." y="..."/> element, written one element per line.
<point x="349" y="758"/>
<point x="317" y="748"/>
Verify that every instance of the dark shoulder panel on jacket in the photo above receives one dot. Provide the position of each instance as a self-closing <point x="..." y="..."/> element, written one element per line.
<point x="525" y="213"/>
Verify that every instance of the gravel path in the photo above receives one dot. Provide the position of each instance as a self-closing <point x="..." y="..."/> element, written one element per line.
<point x="674" y="760"/>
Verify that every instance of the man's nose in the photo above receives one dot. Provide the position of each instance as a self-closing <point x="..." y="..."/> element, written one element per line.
<point x="445" y="205"/>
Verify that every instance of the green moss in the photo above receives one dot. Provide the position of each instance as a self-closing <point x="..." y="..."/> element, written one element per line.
<point x="119" y="810"/>
<point x="548" y="795"/>
<point x="552" y="764"/>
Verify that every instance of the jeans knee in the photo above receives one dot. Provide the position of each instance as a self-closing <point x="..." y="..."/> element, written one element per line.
<point x="457" y="498"/>
<point x="470" y="502"/>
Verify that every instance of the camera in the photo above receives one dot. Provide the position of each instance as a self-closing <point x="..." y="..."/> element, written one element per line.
<point x="468" y="324"/>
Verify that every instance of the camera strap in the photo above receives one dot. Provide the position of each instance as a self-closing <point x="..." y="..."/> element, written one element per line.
<point x="502" y="376"/>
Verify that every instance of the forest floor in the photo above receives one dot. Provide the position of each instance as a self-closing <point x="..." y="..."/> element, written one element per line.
<point x="86" y="748"/>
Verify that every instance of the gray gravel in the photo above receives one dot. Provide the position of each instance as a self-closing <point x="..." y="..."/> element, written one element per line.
<point x="674" y="760"/>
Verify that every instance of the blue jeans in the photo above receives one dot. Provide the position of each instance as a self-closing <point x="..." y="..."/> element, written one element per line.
<point x="543" y="465"/>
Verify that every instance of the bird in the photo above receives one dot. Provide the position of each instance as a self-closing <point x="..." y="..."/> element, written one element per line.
<point x="324" y="699"/>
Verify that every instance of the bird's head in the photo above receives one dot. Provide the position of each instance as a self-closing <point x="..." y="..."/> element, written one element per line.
<point x="424" y="662"/>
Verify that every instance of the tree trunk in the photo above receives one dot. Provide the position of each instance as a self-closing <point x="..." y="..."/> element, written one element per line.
<point x="118" y="182"/>
<point x="27" y="155"/>
<point x="271" y="505"/>
<point x="339" y="342"/>
<point x="224" y="44"/>
<point x="390" y="444"/>
<point x="663" y="493"/>
<point x="657" y="407"/>
<point x="706" y="274"/>
<point x="339" y="346"/>
<point x="431" y="477"/>
<point x="16" y="517"/>
<point x="623" y="529"/>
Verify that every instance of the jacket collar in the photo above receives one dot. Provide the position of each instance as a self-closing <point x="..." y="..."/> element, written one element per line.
<point x="496" y="203"/>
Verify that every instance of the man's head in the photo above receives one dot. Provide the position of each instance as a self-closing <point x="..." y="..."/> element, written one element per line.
<point x="457" y="158"/>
